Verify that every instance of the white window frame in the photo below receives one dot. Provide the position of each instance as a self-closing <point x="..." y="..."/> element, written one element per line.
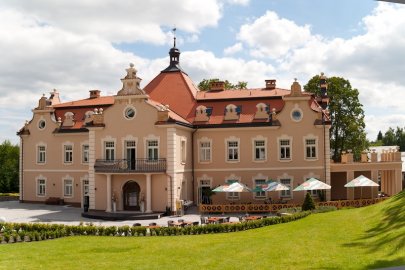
<point x="38" y="186"/>
<point x="67" y="160"/>
<point x="286" y="193"/>
<point x="64" y="186"/>
<point x="183" y="150"/>
<point x="254" y="147"/>
<point x="109" y="150"/>
<point x="282" y="194"/>
<point x="204" y="177"/>
<point x="152" y="151"/>
<point x="263" y="194"/>
<point x="204" y="152"/>
<point x="280" y="147"/>
<point x="305" y="139"/>
<point x="85" y="153"/>
<point x="227" y="149"/>
<point x="146" y="141"/>
<point x="39" y="161"/>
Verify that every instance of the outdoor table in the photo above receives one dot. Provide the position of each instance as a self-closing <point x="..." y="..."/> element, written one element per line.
<point x="214" y="219"/>
<point x="249" y="218"/>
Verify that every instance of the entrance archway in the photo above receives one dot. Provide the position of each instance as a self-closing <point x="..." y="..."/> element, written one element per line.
<point x="131" y="191"/>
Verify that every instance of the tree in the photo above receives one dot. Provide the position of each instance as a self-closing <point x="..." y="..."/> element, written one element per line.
<point x="379" y="136"/>
<point x="347" y="116"/>
<point x="309" y="203"/>
<point x="9" y="159"/>
<point x="204" y="85"/>
<point x="394" y="137"/>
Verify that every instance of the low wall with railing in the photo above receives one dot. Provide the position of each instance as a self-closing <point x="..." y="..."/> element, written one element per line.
<point x="257" y="208"/>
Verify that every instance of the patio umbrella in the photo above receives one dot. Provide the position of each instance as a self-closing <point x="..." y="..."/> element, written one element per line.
<point x="312" y="184"/>
<point x="274" y="186"/>
<point x="220" y="188"/>
<point x="234" y="187"/>
<point x="361" y="182"/>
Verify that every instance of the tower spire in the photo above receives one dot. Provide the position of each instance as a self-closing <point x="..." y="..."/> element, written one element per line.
<point x="174" y="54"/>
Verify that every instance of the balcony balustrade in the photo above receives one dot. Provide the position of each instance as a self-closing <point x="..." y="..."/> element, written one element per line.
<point x="138" y="165"/>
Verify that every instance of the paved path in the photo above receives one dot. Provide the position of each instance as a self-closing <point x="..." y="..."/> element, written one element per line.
<point x="14" y="211"/>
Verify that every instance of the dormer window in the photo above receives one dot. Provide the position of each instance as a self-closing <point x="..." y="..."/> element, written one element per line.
<point x="201" y="113"/>
<point x="87" y="116"/>
<point x="69" y="119"/>
<point x="232" y="112"/>
<point x="262" y="111"/>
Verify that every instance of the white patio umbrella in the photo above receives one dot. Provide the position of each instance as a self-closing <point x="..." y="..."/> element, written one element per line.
<point x="362" y="181"/>
<point x="312" y="184"/>
<point x="274" y="186"/>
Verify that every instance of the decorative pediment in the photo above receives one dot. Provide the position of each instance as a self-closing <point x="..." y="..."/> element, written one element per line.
<point x="131" y="83"/>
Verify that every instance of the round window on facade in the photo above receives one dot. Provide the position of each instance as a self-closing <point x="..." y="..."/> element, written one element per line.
<point x="129" y="113"/>
<point x="41" y="124"/>
<point x="296" y="115"/>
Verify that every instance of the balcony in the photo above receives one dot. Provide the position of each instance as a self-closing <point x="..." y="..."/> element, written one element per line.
<point x="139" y="165"/>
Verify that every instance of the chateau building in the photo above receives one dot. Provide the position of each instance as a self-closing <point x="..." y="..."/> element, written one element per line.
<point x="144" y="149"/>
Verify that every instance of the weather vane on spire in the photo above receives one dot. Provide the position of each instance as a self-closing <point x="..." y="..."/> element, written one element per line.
<point x="174" y="36"/>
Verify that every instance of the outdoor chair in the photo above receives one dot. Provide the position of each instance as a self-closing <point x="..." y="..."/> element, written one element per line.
<point x="152" y="224"/>
<point x="137" y="224"/>
<point x="170" y="223"/>
<point x="203" y="220"/>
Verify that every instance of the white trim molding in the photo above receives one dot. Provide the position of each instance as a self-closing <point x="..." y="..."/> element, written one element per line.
<point x="232" y="139"/>
<point x="285" y="137"/>
<point x="316" y="145"/>
<point x="204" y="140"/>
<point x="254" y="140"/>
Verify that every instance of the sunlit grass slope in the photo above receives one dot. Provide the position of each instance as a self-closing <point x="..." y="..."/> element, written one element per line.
<point x="364" y="238"/>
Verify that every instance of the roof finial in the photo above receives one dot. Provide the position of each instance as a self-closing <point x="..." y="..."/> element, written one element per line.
<point x="174" y="36"/>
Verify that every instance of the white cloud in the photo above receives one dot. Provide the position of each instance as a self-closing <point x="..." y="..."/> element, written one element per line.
<point x="271" y="36"/>
<point x="122" y="21"/>
<point x="373" y="61"/>
<point x="233" y="49"/>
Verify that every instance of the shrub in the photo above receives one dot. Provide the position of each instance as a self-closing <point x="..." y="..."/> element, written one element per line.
<point x="309" y="203"/>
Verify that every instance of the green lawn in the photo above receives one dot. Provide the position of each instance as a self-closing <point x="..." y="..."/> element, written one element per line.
<point x="364" y="238"/>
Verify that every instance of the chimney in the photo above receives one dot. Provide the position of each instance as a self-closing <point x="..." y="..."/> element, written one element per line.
<point x="94" y="93"/>
<point x="217" y="86"/>
<point x="270" y="84"/>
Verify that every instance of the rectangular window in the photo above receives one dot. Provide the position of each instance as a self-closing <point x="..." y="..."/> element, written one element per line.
<point x="86" y="187"/>
<point x="286" y="193"/>
<point x="310" y="146"/>
<point x="109" y="148"/>
<point x="67" y="187"/>
<point x="152" y="149"/>
<point x="41" y="187"/>
<point x="260" y="194"/>
<point x="183" y="151"/>
<point x="68" y="153"/>
<point x="233" y="151"/>
<point x="85" y="153"/>
<point x="260" y="150"/>
<point x="285" y="150"/>
<point x="205" y="151"/>
<point x="41" y="154"/>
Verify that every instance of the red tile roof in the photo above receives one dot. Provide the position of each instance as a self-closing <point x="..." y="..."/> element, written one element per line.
<point x="174" y="89"/>
<point x="241" y="94"/>
<point x="88" y="102"/>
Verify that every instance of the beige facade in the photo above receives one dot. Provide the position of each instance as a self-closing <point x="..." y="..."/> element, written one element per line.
<point x="146" y="149"/>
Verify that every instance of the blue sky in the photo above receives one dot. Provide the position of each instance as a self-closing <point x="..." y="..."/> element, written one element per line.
<point x="75" y="46"/>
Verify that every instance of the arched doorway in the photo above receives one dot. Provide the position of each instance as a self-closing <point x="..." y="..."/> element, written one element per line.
<point x="131" y="191"/>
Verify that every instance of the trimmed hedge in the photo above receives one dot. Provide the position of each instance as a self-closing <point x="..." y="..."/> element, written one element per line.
<point x="26" y="232"/>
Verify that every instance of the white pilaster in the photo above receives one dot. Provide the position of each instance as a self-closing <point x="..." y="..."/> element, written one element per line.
<point x="92" y="160"/>
<point x="108" y="193"/>
<point x="171" y="165"/>
<point x="148" y="193"/>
